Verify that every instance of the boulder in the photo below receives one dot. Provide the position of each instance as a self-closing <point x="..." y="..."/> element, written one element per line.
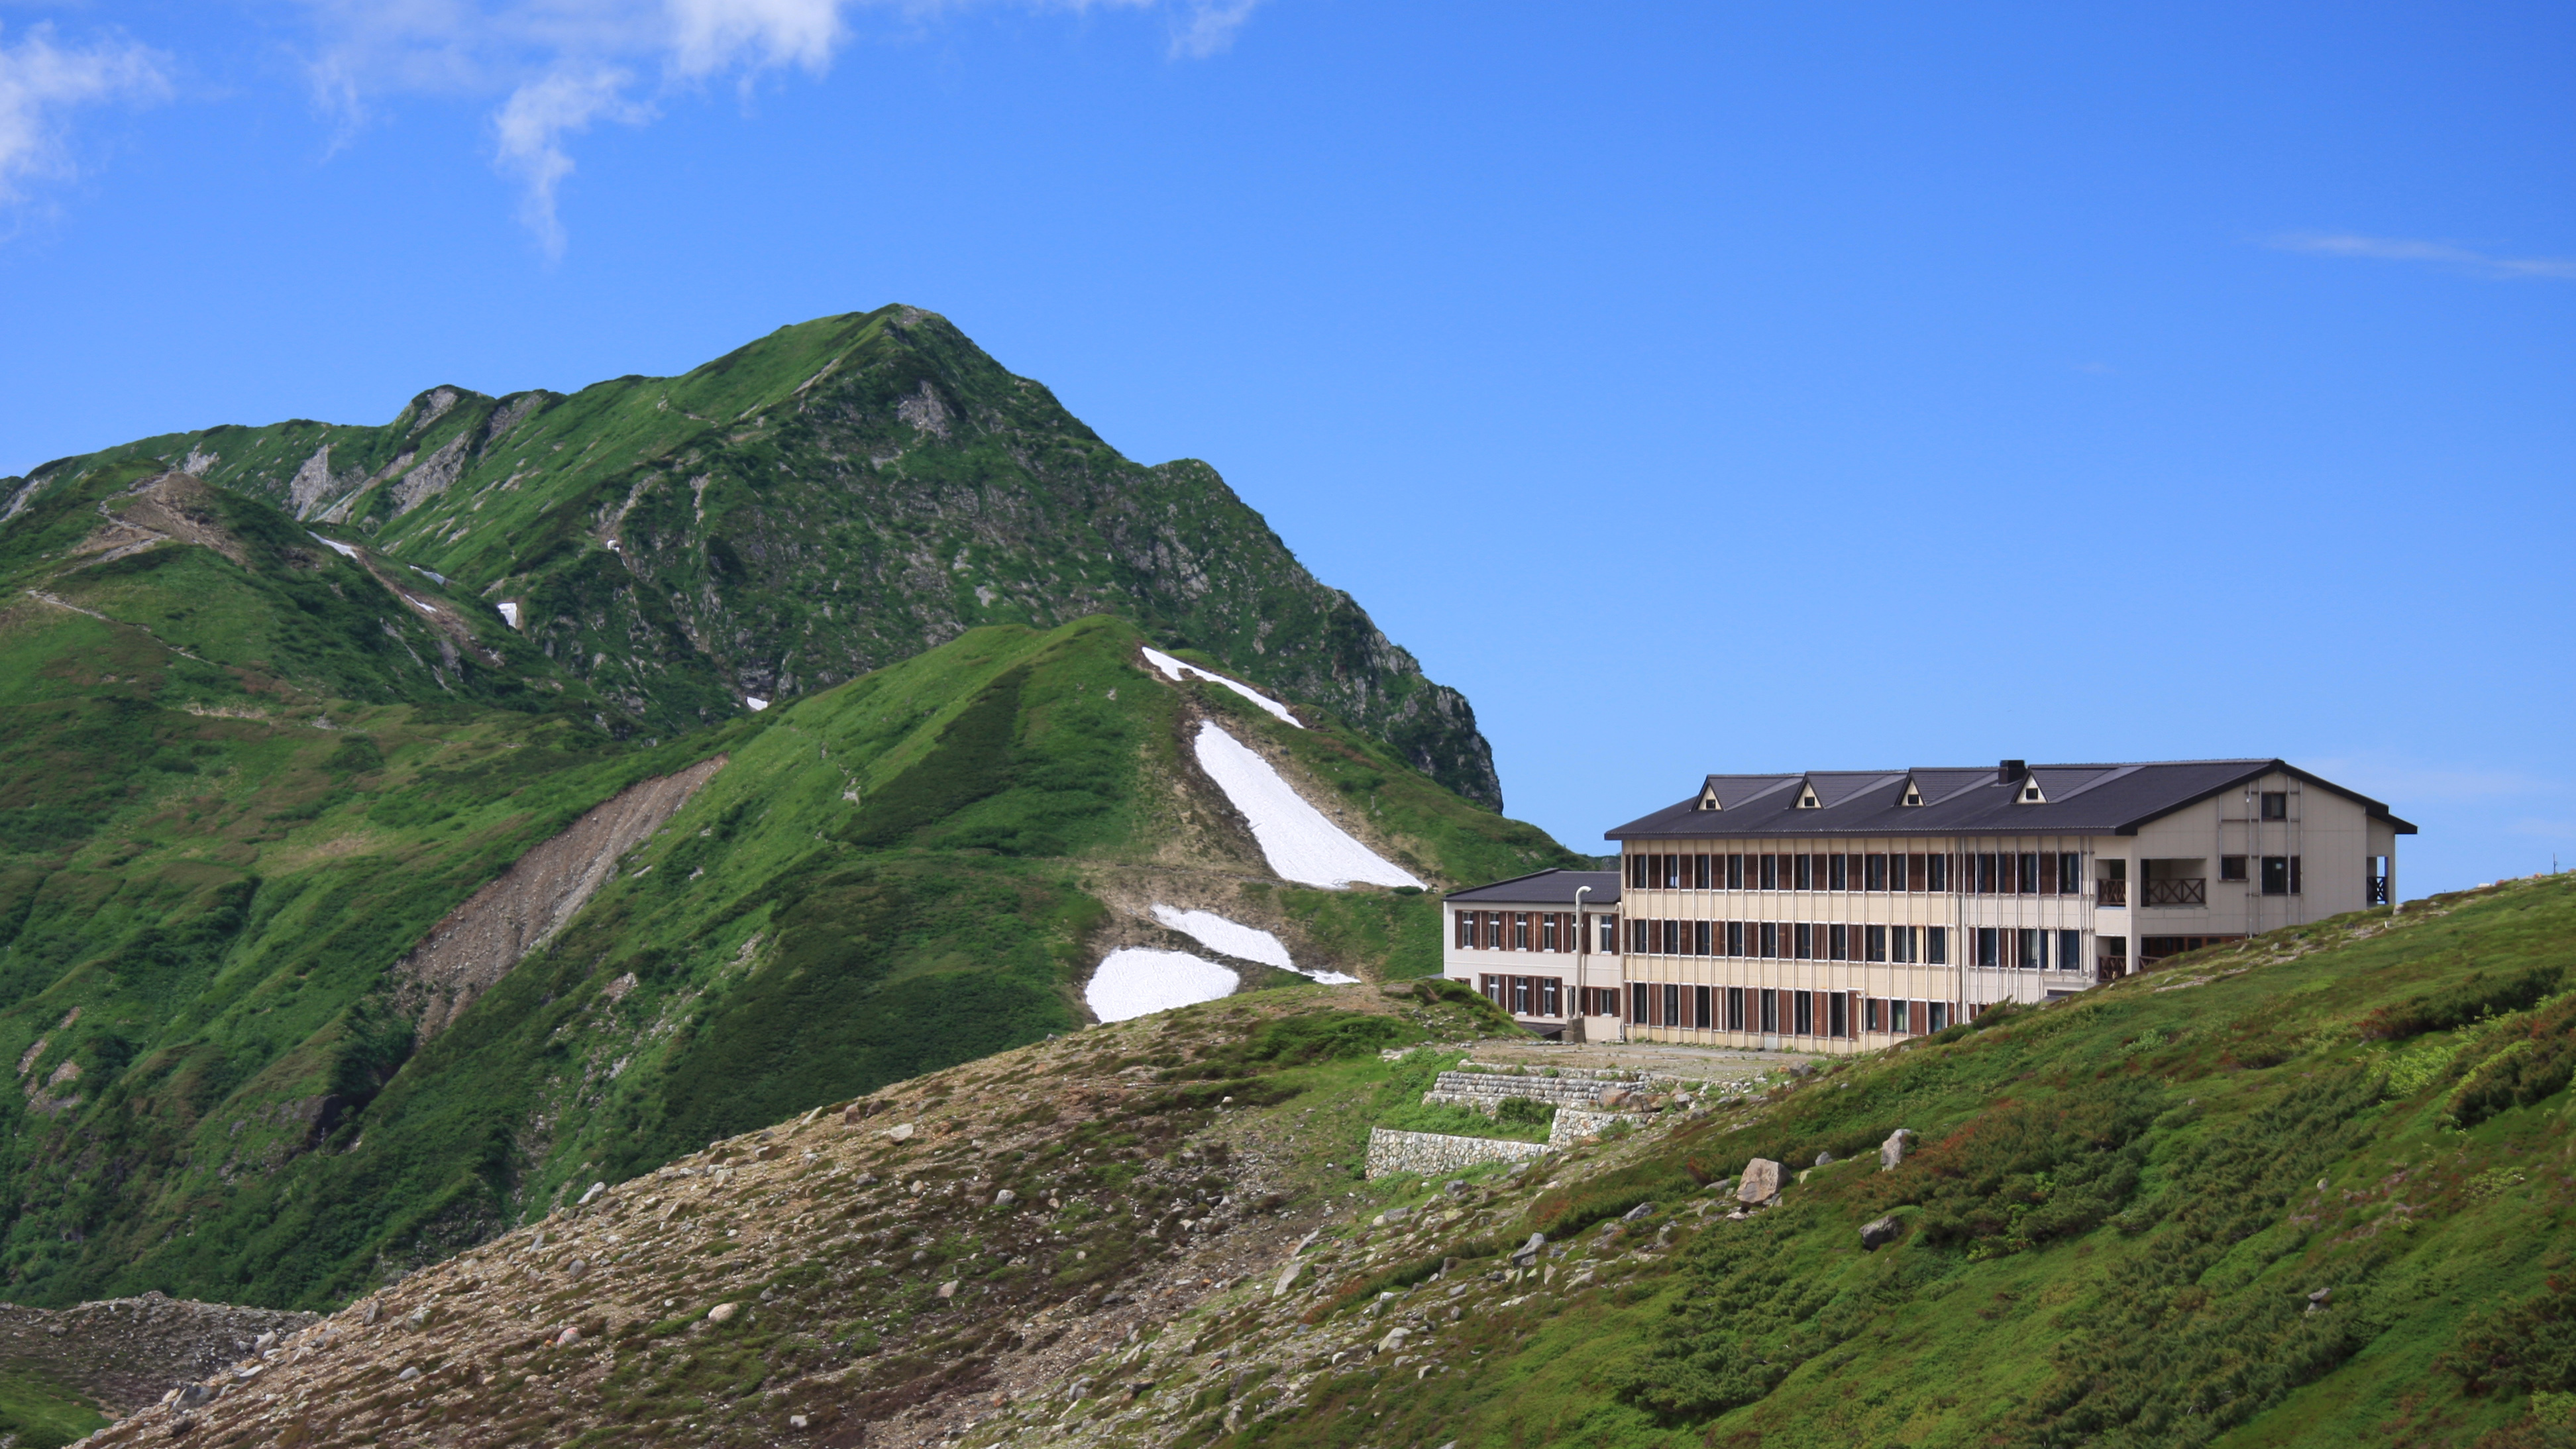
<point x="1528" y="1252"/>
<point x="1288" y="1277"/>
<point x="723" y="1312"/>
<point x="1824" y="1159"/>
<point x="1005" y="1198"/>
<point x="1638" y="1213"/>
<point x="948" y="1289"/>
<point x="900" y="1132"/>
<point x="1760" y="1183"/>
<point x="1892" y="1151"/>
<point x="1394" y="1339"/>
<point x="1878" y="1233"/>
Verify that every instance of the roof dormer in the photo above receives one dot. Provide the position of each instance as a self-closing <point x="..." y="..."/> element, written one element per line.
<point x="1911" y="793"/>
<point x="2029" y="793"/>
<point x="1708" y="797"/>
<point x="1807" y="795"/>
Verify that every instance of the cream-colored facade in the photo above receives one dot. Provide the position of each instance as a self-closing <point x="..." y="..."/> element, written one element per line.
<point x="1737" y="928"/>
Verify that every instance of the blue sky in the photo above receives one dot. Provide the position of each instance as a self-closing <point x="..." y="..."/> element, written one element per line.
<point x="1698" y="387"/>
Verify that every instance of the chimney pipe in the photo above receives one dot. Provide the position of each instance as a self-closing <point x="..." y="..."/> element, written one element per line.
<point x="2010" y="772"/>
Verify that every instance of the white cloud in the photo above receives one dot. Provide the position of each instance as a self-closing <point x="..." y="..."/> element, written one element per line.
<point x="2445" y="254"/>
<point x="1207" y="27"/>
<point x="565" y="64"/>
<point x="40" y="79"/>
<point x="531" y="126"/>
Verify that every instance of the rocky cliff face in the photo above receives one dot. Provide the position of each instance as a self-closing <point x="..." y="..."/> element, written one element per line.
<point x="837" y="496"/>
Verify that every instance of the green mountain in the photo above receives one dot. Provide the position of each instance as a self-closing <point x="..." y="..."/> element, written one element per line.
<point x="835" y="497"/>
<point x="342" y="926"/>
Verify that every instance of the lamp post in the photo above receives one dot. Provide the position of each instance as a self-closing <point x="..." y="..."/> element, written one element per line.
<point x="1582" y="951"/>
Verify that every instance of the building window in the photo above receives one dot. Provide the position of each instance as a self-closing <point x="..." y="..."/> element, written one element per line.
<point x="1770" y="872"/>
<point x="1936" y="944"/>
<point x="2029" y="882"/>
<point x="1900" y="944"/>
<point x="1899" y="1019"/>
<point x="1547" y="936"/>
<point x="1610" y="935"/>
<point x="1672" y="1004"/>
<point x="1770" y="1013"/>
<point x="1699" y="938"/>
<point x="1802" y="1013"/>
<point x="1770" y="940"/>
<point x="1989" y="946"/>
<point x="2031" y="950"/>
<point x="1637" y="1001"/>
<point x="1914" y="872"/>
<point x="2070" y="873"/>
<point x="1837" y="1015"/>
<point x="1520" y="996"/>
<point x="1984" y="884"/>
<point x="1735" y="938"/>
<point x="2048" y="874"/>
<point x="1466" y="924"/>
<point x="1837" y="942"/>
<point x="2280" y="875"/>
<point x="1699" y="1008"/>
<point x="1936" y="873"/>
<point x="1803" y="941"/>
<point x="2070" y="950"/>
<point x="1874" y="943"/>
<point x="2276" y="804"/>
<point x="1936" y="1015"/>
<point x="1735" y="1008"/>
<point x="1699" y="872"/>
<point x="1873" y="875"/>
<point x="1735" y="872"/>
<point x="1837" y="873"/>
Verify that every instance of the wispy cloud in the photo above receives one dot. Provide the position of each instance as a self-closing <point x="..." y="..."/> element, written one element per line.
<point x="2441" y="254"/>
<point x="564" y="65"/>
<point x="531" y="126"/>
<point x="40" y="79"/>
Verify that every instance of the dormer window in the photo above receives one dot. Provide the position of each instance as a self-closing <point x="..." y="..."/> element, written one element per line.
<point x="1807" y="799"/>
<point x="1913" y="797"/>
<point x="2030" y="793"/>
<point x="1912" y="794"/>
<point x="1708" y="797"/>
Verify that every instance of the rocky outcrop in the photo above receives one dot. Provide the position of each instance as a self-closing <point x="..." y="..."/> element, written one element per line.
<point x="124" y="1353"/>
<point x="481" y="940"/>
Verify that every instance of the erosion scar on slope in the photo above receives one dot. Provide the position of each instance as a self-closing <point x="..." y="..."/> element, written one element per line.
<point x="481" y="940"/>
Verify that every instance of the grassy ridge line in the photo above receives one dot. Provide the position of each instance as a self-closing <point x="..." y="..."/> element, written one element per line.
<point x="223" y="929"/>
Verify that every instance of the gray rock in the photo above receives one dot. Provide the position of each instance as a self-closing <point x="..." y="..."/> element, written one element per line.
<point x="1528" y="1252"/>
<point x="1005" y="1198"/>
<point x="1824" y="1159"/>
<point x="1638" y="1213"/>
<point x="1892" y="1151"/>
<point x="1878" y="1233"/>
<point x="1288" y="1277"/>
<point x="1760" y="1183"/>
<point x="1394" y="1339"/>
<point x="2321" y="1296"/>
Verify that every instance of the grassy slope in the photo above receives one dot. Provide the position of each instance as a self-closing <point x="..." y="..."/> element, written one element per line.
<point x="229" y="804"/>
<point x="834" y="497"/>
<point x="2110" y="1232"/>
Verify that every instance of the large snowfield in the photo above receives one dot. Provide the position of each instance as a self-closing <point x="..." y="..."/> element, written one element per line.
<point x="1177" y="670"/>
<point x="1242" y="942"/>
<point x="1133" y="981"/>
<point x="1299" y="842"/>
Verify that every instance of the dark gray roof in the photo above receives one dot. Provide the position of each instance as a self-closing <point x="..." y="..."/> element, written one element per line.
<point x="2079" y="800"/>
<point x="1547" y="888"/>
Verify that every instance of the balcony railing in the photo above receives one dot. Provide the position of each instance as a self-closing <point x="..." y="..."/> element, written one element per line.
<point x="2110" y="893"/>
<point x="2190" y="892"/>
<point x="2377" y="893"/>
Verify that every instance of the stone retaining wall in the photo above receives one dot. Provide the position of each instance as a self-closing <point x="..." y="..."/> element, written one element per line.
<point x="1485" y="1091"/>
<point x="1431" y="1153"/>
<point x="1573" y="1123"/>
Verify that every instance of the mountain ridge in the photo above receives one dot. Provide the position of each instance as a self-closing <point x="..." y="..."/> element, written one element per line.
<point x="693" y="549"/>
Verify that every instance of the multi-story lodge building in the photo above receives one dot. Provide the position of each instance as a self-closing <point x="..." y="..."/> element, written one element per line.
<point x="1840" y="910"/>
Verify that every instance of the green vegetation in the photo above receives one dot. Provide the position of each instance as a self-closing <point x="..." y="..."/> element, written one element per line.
<point x="240" y="776"/>
<point x="2212" y="1205"/>
<point x="681" y="543"/>
<point x="38" y="1413"/>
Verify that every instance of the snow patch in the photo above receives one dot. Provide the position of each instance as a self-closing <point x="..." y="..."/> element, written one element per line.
<point x="1133" y="981"/>
<point x="1177" y="671"/>
<point x="756" y="702"/>
<point x="510" y="613"/>
<point x="342" y="549"/>
<point x="1298" y="841"/>
<point x="1233" y="938"/>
